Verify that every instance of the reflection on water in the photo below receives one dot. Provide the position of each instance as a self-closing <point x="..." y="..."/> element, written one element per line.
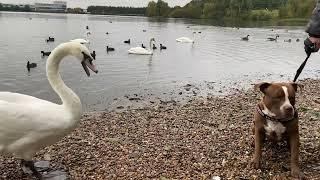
<point x="218" y="55"/>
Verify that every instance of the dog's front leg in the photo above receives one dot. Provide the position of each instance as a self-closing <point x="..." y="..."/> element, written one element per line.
<point x="258" y="138"/>
<point x="294" y="150"/>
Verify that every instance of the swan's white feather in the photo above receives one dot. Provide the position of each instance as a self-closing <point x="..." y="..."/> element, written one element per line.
<point x="185" y="40"/>
<point x="140" y="50"/>
<point x="28" y="124"/>
<point x="81" y="41"/>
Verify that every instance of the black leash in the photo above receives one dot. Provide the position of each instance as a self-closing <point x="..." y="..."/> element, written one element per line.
<point x="301" y="68"/>
<point x="309" y="48"/>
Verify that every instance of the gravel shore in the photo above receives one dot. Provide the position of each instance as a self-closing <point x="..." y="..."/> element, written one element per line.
<point x="198" y="140"/>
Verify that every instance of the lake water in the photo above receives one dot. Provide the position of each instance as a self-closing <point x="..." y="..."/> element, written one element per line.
<point x="217" y="61"/>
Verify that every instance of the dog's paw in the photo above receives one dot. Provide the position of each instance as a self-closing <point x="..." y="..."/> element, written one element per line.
<point x="296" y="174"/>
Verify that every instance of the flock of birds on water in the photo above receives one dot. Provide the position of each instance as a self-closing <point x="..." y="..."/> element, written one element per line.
<point x="142" y="50"/>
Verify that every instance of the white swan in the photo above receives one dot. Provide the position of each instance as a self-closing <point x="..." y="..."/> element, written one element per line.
<point x="142" y="51"/>
<point x="81" y="41"/>
<point x="186" y="39"/>
<point x="28" y="124"/>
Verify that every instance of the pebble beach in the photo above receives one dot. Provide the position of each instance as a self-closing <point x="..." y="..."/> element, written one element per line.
<point x="201" y="139"/>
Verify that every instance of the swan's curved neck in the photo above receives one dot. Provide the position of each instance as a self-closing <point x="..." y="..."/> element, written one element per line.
<point x="69" y="99"/>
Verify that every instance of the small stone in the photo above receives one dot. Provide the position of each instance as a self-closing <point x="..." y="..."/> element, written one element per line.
<point x="216" y="178"/>
<point x="47" y="157"/>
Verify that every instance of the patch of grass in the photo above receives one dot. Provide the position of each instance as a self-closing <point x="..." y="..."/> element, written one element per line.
<point x="303" y="109"/>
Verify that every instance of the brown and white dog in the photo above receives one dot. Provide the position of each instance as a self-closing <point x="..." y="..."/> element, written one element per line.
<point x="276" y="119"/>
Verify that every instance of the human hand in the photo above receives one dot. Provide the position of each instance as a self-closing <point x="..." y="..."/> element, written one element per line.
<point x="311" y="45"/>
<point x="315" y="41"/>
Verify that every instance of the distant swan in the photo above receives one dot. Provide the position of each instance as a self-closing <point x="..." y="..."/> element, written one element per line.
<point x="29" y="124"/>
<point x="186" y="39"/>
<point x="142" y="51"/>
<point x="245" y="38"/>
<point x="273" y="39"/>
<point x="81" y="41"/>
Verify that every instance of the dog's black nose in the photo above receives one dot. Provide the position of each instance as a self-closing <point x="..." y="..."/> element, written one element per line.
<point x="288" y="109"/>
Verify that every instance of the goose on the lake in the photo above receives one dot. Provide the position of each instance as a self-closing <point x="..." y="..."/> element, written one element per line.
<point x="154" y="47"/>
<point x="93" y="54"/>
<point x="162" y="47"/>
<point x="142" y="51"/>
<point x="29" y="66"/>
<point x="29" y="124"/>
<point x="298" y="40"/>
<point x="45" y="53"/>
<point x="127" y="41"/>
<point x="273" y="39"/>
<point x="287" y="40"/>
<point x="110" y="49"/>
<point x="50" y="39"/>
<point x="245" y="38"/>
<point x="186" y="39"/>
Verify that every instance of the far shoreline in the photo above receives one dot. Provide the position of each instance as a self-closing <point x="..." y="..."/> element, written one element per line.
<point x="278" y="22"/>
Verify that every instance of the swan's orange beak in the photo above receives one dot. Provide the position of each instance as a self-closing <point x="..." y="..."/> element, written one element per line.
<point x="87" y="63"/>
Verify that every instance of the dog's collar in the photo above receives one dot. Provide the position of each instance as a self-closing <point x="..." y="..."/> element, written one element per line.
<point x="267" y="117"/>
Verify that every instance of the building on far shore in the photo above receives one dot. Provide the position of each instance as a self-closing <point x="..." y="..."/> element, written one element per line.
<point x="56" y="7"/>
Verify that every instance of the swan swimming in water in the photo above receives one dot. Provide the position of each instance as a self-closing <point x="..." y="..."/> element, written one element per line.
<point x="29" y="124"/>
<point x="142" y="51"/>
<point x="81" y="41"/>
<point x="186" y="39"/>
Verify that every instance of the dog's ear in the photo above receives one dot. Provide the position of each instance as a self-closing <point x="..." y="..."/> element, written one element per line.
<point x="296" y="86"/>
<point x="262" y="86"/>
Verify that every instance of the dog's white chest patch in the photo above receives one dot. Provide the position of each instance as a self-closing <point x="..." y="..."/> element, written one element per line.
<point x="276" y="127"/>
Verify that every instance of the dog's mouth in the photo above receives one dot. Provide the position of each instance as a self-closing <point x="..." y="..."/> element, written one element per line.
<point x="286" y="116"/>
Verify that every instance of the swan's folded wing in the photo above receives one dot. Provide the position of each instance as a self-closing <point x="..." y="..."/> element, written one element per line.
<point x="19" y="120"/>
<point x="18" y="98"/>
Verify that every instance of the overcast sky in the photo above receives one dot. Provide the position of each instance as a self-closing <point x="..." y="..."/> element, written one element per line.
<point x="85" y="3"/>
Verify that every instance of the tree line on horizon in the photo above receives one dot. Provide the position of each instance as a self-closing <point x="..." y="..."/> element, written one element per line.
<point x="245" y="9"/>
<point x="109" y="10"/>
<point x="25" y="8"/>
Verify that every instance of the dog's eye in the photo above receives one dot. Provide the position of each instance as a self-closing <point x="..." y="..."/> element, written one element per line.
<point x="291" y="99"/>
